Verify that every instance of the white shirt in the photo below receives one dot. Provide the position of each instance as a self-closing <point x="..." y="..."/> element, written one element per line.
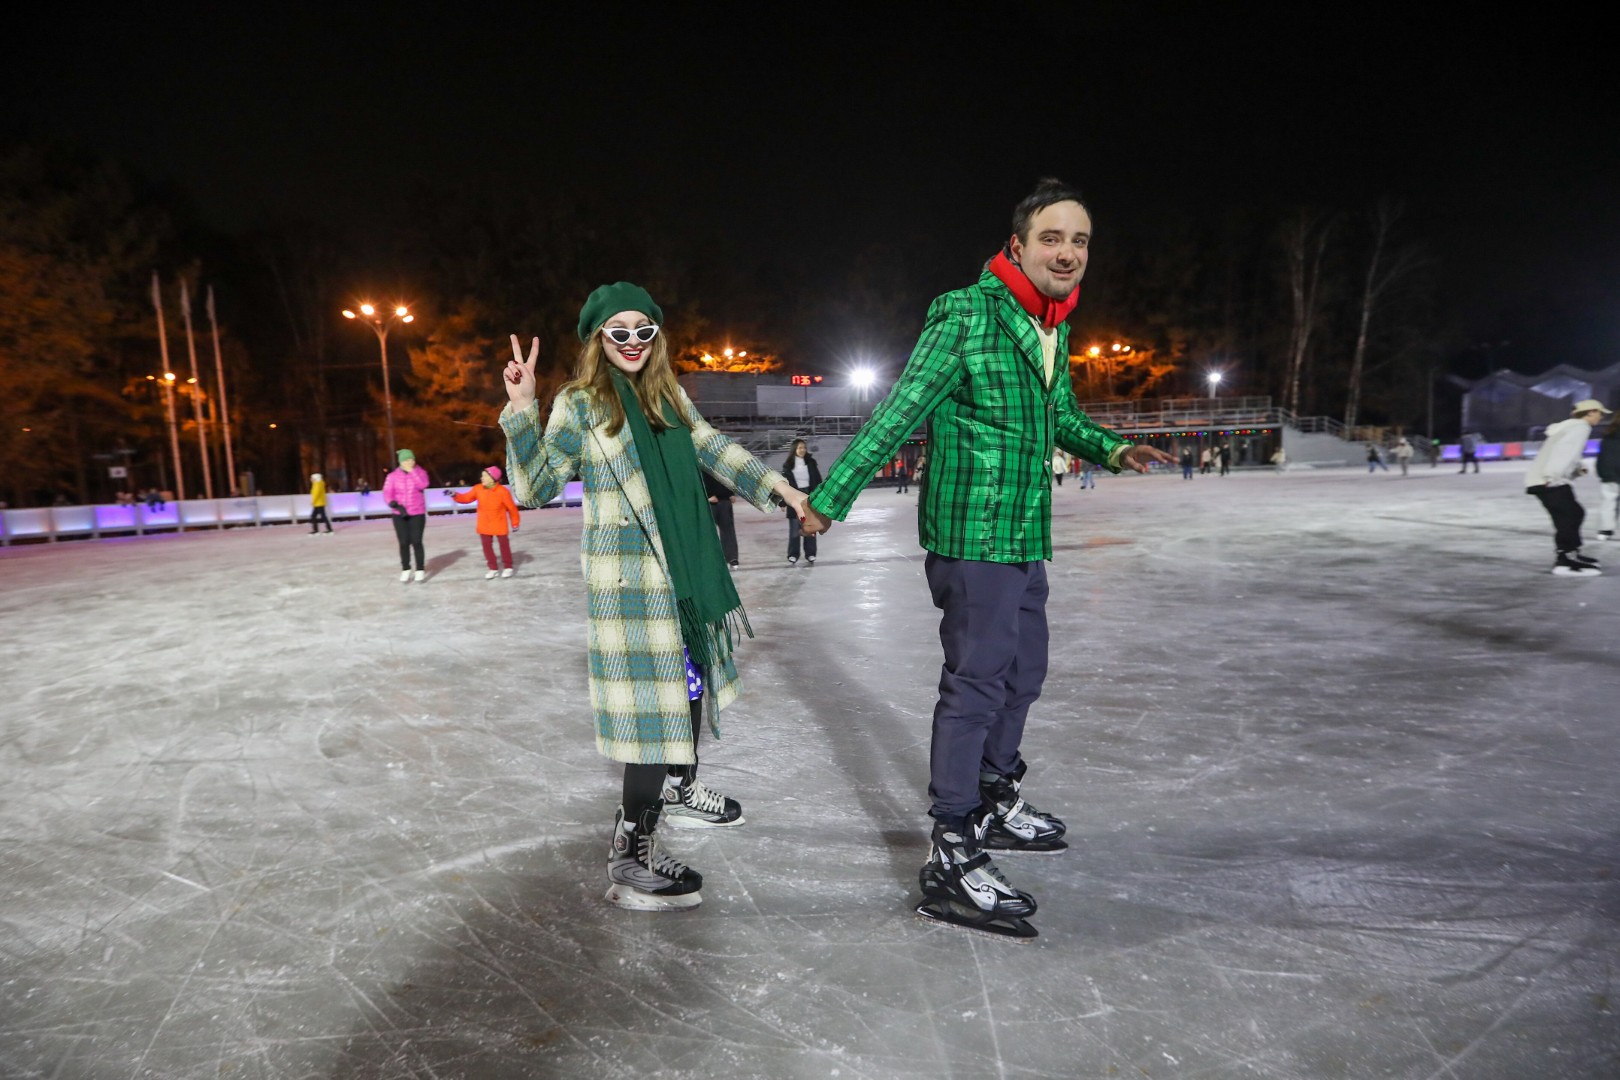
<point x="1048" y="346"/>
<point x="1559" y="459"/>
<point x="801" y="473"/>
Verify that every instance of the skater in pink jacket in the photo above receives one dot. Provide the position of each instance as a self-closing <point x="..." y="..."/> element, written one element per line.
<point x="403" y="491"/>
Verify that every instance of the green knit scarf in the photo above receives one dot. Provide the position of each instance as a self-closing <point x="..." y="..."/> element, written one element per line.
<point x="711" y="612"/>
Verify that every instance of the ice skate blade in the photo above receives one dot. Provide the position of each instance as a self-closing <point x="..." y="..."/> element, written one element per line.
<point x="1005" y="928"/>
<point x="1051" y="847"/>
<point x="623" y="896"/>
<point x="681" y="821"/>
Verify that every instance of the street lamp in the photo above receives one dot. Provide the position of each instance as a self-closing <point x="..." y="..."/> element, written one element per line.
<point x="1214" y="378"/>
<point x="174" y="429"/>
<point x="380" y="326"/>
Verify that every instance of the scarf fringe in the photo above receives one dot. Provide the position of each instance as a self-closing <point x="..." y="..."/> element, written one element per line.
<point x="712" y="643"/>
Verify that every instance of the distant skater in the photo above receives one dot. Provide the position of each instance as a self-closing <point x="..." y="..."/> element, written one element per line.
<point x="1403" y="454"/>
<point x="403" y="490"/>
<point x="1469" y="446"/>
<point x="1088" y="476"/>
<point x="1374" y="460"/>
<point x="317" y="504"/>
<point x="496" y="512"/>
<point x="1186" y="463"/>
<point x="721" y="503"/>
<point x="1549" y="479"/>
<point x="902" y="476"/>
<point x="1205" y="457"/>
<point x="804" y="474"/>
<point x="1059" y="467"/>
<point x="662" y="610"/>
<point x="1608" y="471"/>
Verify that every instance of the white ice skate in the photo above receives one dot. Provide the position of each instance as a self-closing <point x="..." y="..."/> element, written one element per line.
<point x="643" y="878"/>
<point x="691" y="805"/>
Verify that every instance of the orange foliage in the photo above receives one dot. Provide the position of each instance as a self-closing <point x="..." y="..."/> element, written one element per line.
<point x="1129" y="374"/>
<point x="712" y="358"/>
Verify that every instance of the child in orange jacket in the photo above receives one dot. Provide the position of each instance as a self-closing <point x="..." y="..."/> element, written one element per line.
<point x="495" y="507"/>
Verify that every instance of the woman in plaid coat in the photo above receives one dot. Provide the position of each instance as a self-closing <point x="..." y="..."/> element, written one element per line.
<point x="663" y="613"/>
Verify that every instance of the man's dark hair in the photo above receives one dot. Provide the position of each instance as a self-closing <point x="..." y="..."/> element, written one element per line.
<point x="1048" y="190"/>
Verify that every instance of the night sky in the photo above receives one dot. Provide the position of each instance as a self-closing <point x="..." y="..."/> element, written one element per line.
<point x="783" y="143"/>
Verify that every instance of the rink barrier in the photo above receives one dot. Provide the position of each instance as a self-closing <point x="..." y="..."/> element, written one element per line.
<point x="51" y="523"/>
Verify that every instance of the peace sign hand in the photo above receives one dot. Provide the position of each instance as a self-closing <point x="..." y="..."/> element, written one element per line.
<point x="520" y="374"/>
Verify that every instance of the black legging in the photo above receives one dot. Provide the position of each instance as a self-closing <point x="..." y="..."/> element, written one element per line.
<point x="318" y="514"/>
<point x="408" y="528"/>
<point x="1566" y="512"/>
<point x="644" y="784"/>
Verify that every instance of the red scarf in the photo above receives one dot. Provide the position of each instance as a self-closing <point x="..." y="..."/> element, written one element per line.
<point x="1050" y="312"/>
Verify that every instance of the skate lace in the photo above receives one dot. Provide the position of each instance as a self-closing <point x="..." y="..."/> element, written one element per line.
<point x="701" y="798"/>
<point x="653" y="857"/>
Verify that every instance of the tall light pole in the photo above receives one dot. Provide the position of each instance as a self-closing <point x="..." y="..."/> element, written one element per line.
<point x="224" y="407"/>
<point x="1214" y="378"/>
<point x="196" y="398"/>
<point x="380" y="325"/>
<point x="168" y="389"/>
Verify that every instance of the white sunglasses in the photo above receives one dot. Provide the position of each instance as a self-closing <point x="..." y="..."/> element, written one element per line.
<point x="621" y="336"/>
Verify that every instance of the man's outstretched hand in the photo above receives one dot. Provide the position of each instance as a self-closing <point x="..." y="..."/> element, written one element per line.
<point x="1139" y="457"/>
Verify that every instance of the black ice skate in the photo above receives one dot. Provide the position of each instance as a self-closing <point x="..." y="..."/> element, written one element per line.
<point x="643" y="878"/>
<point x="688" y="804"/>
<point x="1013" y="824"/>
<point x="962" y="887"/>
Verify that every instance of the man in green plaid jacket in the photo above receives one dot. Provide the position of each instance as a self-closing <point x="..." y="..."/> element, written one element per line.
<point x="990" y="377"/>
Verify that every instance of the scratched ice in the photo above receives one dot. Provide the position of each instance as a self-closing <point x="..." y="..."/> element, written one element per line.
<point x="1338" y="757"/>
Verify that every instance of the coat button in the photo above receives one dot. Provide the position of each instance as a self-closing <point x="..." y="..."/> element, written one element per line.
<point x="624" y="521"/>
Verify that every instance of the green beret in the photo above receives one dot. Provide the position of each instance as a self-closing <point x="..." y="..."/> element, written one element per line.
<point x="608" y="300"/>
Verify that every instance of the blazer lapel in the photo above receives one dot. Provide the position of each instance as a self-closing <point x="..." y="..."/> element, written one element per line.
<point x="1018" y="327"/>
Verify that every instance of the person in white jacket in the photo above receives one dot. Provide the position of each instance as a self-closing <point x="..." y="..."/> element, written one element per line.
<point x="1548" y="479"/>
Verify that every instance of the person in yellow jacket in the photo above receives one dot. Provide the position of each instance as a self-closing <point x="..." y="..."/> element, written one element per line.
<point x="317" y="504"/>
<point x="495" y="509"/>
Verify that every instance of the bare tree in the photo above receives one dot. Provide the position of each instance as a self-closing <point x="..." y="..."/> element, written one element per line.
<point x="1306" y="240"/>
<point x="1384" y="269"/>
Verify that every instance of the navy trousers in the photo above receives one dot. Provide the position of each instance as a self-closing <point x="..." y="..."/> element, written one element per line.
<point x="993" y="631"/>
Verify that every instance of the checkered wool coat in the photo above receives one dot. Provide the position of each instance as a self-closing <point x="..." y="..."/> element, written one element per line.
<point x="637" y="665"/>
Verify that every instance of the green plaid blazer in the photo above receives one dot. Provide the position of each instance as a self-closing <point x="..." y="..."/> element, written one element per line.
<point x="977" y="377"/>
<point x="637" y="665"/>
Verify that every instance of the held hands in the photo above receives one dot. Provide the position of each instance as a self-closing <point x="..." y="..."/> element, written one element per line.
<point x="796" y="500"/>
<point x="811" y="522"/>
<point x="520" y="374"/>
<point x="1139" y="457"/>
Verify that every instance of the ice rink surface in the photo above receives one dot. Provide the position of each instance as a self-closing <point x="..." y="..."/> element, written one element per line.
<point x="1340" y="762"/>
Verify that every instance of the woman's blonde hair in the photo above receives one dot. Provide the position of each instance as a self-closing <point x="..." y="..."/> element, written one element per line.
<point x="654" y="384"/>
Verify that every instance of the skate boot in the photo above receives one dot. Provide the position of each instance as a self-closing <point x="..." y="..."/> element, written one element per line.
<point x="688" y="804"/>
<point x="1013" y="824"/>
<point x="962" y="887"/>
<point x="643" y="878"/>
